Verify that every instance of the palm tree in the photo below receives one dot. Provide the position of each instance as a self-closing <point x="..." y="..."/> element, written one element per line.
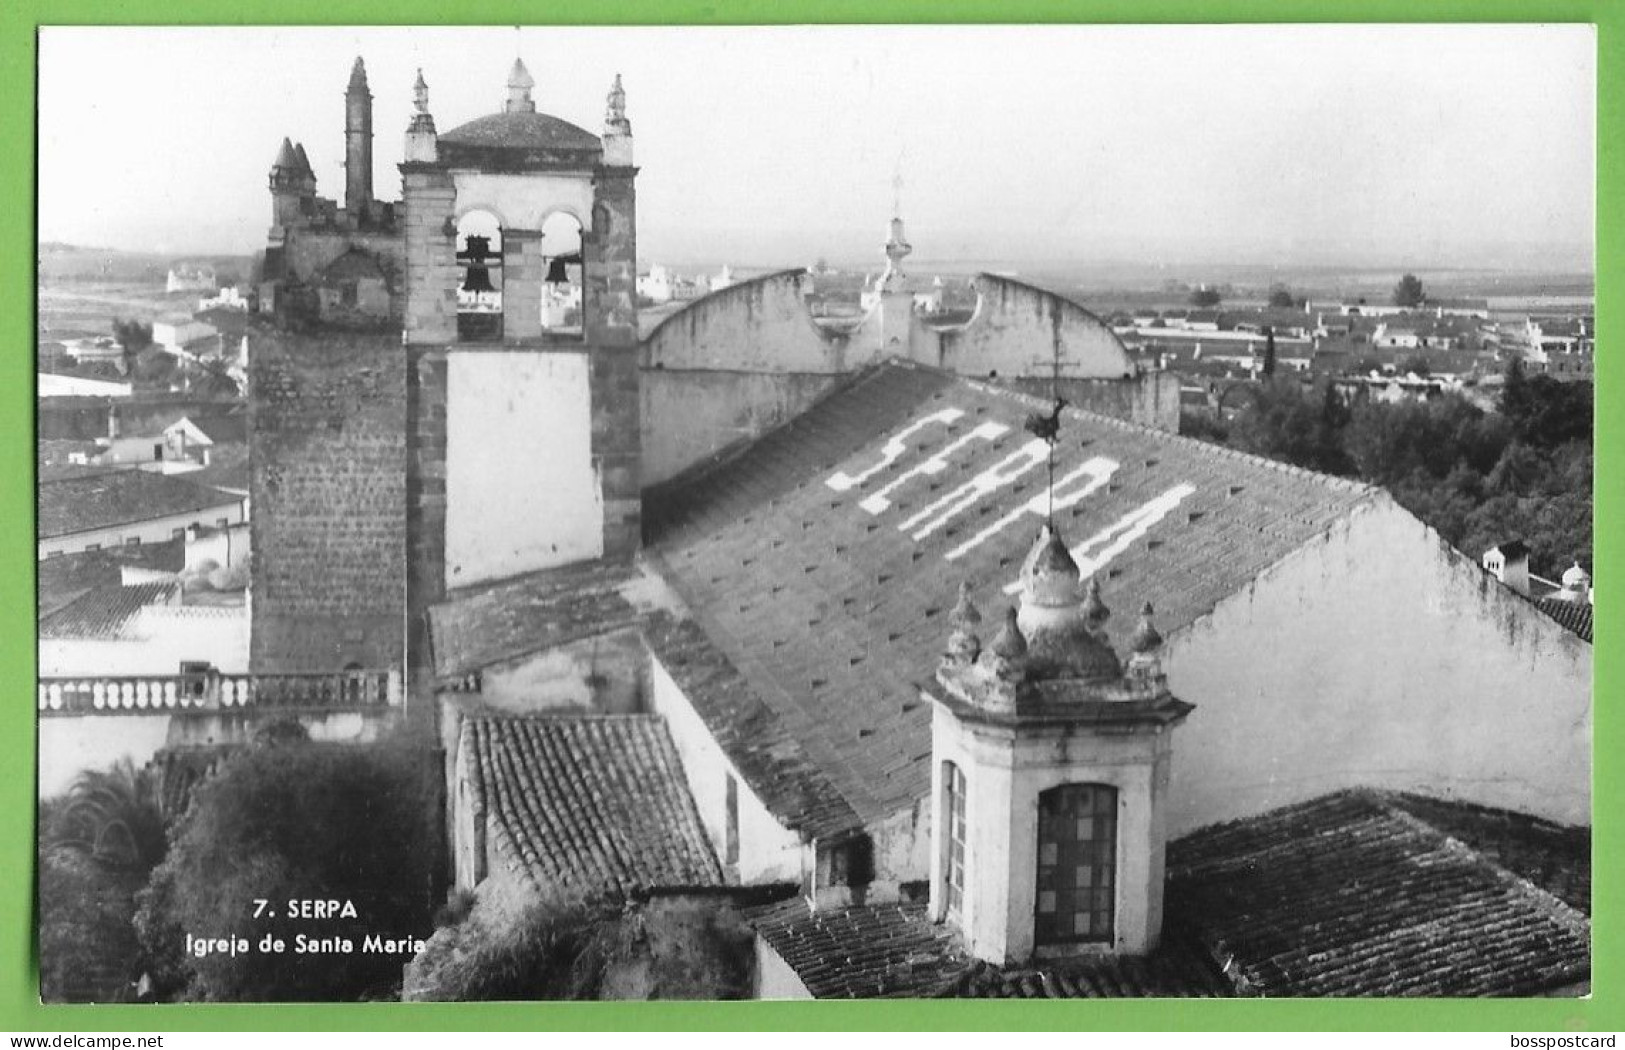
<point x="113" y="817"/>
<point x="216" y="379"/>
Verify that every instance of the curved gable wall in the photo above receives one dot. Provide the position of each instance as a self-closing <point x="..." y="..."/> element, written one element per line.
<point x="1021" y="330"/>
<point x="759" y="325"/>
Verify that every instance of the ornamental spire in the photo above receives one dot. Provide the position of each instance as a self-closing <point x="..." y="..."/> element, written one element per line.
<point x="519" y="84"/>
<point x="615" y="122"/>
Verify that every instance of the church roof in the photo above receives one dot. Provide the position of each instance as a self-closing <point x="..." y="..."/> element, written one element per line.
<point x="519" y="139"/>
<point x="822" y="564"/>
<point x="100" y="501"/>
<point x="105" y="612"/>
<point x="477" y="627"/>
<point x="1575" y="615"/>
<point x="587" y="804"/>
<point x="1355" y="894"/>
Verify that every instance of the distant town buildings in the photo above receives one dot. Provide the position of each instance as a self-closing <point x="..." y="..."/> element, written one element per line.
<point x="191" y="277"/>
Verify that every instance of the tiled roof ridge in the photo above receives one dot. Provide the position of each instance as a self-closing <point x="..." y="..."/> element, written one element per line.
<point x="125" y="600"/>
<point x="845" y="818"/>
<point x="1541" y="899"/>
<point x="582" y="569"/>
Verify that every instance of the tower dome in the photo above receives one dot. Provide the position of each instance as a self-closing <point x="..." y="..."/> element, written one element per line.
<point x="1060" y="617"/>
<point x="1576" y="578"/>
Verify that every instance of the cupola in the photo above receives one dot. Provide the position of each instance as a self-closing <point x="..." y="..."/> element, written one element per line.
<point x="1051" y="763"/>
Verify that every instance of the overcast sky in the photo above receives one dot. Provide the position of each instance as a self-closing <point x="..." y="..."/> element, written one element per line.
<point x="1407" y="145"/>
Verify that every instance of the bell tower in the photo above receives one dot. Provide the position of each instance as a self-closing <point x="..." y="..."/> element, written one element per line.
<point x="1050" y="774"/>
<point x="521" y="333"/>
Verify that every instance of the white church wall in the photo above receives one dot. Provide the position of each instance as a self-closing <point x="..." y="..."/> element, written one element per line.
<point x="1378" y="656"/>
<point x="768" y="851"/>
<point x="519" y="425"/>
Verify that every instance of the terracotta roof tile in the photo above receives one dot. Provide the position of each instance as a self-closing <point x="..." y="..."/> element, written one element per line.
<point x="1576" y="616"/>
<point x="762" y="739"/>
<point x="864" y="952"/>
<point x="67" y="576"/>
<point x="105" y="612"/>
<point x="829" y="610"/>
<point x="588" y="803"/>
<point x="1353" y="894"/>
<point x="80" y="503"/>
<point x="481" y="626"/>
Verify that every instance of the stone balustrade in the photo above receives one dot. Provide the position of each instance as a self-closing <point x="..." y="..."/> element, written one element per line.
<point x="215" y="692"/>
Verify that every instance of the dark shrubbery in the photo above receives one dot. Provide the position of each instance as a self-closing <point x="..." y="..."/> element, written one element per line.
<point x="97" y="844"/>
<point x="1479" y="478"/>
<point x="303" y="822"/>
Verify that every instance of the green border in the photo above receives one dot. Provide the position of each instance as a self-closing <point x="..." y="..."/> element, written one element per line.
<point x="19" y="1006"/>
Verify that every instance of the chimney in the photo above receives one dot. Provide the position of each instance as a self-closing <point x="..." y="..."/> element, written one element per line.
<point x="1509" y="563"/>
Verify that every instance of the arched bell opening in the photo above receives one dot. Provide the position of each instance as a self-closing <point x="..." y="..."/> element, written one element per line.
<point x="479" y="284"/>
<point x="562" y="276"/>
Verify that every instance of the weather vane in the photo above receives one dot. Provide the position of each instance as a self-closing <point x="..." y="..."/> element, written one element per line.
<point x="1048" y="427"/>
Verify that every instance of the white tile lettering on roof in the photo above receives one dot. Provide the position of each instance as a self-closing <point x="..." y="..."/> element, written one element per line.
<point x="1096" y="552"/>
<point x="1093" y="473"/>
<point x="935" y="463"/>
<point x="1093" y="554"/>
<point x="1004" y="472"/>
<point x="893" y="450"/>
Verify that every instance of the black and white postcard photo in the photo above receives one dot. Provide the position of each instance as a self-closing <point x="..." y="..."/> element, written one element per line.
<point x="815" y="512"/>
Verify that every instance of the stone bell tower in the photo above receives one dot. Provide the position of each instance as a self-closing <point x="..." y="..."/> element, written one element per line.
<point x="1050" y="774"/>
<point x="523" y="404"/>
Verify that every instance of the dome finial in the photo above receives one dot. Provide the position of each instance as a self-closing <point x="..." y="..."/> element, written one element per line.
<point x="519" y="84"/>
<point x="964" y="644"/>
<point x="1146" y="638"/>
<point x="420" y="93"/>
<point x="1094" y="609"/>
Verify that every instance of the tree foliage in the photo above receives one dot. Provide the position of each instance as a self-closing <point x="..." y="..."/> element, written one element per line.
<point x="132" y="335"/>
<point x="1281" y="297"/>
<point x="296" y="821"/>
<point x="1205" y="296"/>
<point x="1408" y="292"/>
<point x="112" y="817"/>
<point x="1479" y="478"/>
<point x="97" y="844"/>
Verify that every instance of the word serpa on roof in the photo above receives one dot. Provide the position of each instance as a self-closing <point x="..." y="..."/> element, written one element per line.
<point x="822" y="559"/>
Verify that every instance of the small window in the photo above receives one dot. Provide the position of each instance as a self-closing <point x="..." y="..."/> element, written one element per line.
<point x="176" y="534"/>
<point x="132" y="541"/>
<point x="222" y="522"/>
<point x="954" y="864"/>
<point x="92" y="547"/>
<point x="52" y="554"/>
<point x="158" y="451"/>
